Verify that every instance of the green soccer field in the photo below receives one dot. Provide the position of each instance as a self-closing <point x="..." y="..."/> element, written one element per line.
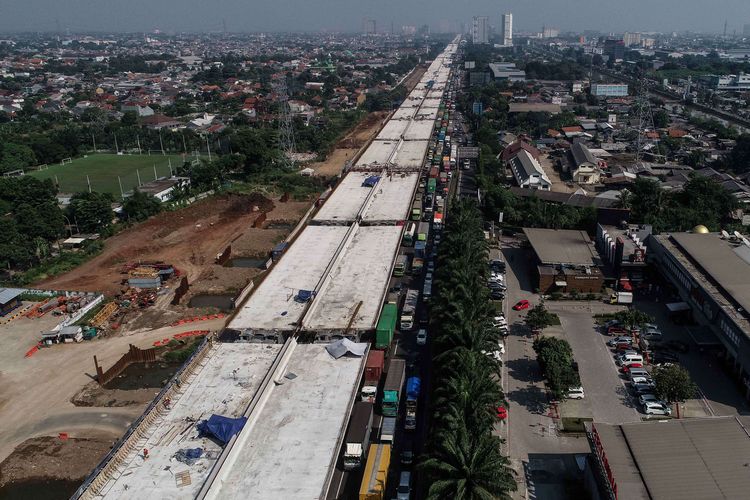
<point x="104" y="169"/>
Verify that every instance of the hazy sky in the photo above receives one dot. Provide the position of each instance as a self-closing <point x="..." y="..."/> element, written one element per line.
<point x="347" y="15"/>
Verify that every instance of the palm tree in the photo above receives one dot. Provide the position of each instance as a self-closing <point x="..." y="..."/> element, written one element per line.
<point x="625" y="199"/>
<point x="469" y="399"/>
<point x="464" y="467"/>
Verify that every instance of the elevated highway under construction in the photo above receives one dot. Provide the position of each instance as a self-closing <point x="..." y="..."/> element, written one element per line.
<point x="291" y="396"/>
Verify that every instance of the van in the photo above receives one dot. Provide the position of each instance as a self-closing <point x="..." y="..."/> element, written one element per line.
<point x="404" y="486"/>
<point x="628" y="358"/>
<point x="638" y="372"/>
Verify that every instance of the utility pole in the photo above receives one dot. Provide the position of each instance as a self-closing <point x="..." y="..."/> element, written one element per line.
<point x="88" y="181"/>
<point x="122" y="193"/>
<point x="155" y="176"/>
<point x="138" y="140"/>
<point x="138" y="173"/>
<point x="117" y="149"/>
<point x="161" y="143"/>
<point x="286" y="128"/>
<point x="208" y="147"/>
<point x="93" y="140"/>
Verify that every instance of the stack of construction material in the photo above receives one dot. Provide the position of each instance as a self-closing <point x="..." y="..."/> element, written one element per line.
<point x="144" y="277"/>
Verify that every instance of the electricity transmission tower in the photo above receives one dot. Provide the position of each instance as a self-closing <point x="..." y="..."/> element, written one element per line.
<point x="286" y="127"/>
<point x="645" y="118"/>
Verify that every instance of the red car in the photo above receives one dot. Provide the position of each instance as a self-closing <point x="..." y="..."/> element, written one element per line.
<point x="502" y="412"/>
<point x="626" y="368"/>
<point x="521" y="305"/>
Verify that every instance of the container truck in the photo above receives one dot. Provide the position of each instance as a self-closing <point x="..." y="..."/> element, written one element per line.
<point x="409" y="310"/>
<point x="419" y="248"/>
<point x="373" y="370"/>
<point x="423" y="232"/>
<point x="417" y="265"/>
<point x="388" y="430"/>
<point x="431" y="185"/>
<point x="386" y="326"/>
<point x="402" y="264"/>
<point x="394" y="383"/>
<point x="434" y="172"/>
<point x="416" y="210"/>
<point x="358" y="435"/>
<point x="375" y="473"/>
<point x="409" y="234"/>
<point x="413" y="385"/>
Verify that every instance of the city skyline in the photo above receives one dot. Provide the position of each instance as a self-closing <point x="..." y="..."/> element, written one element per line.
<point x="239" y="16"/>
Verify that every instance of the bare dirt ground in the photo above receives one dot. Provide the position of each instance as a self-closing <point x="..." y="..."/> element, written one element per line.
<point x="350" y="144"/>
<point x="189" y="239"/>
<point x="49" y="457"/>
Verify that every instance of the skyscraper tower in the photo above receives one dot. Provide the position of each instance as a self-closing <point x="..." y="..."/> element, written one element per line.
<point x="507" y="29"/>
<point x="480" y="30"/>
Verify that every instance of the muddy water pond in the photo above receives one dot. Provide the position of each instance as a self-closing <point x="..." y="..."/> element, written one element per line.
<point x="223" y="302"/>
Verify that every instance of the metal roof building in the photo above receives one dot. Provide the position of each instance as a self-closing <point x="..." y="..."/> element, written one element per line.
<point x="697" y="458"/>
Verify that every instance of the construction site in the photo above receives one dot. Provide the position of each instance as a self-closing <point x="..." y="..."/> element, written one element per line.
<point x="239" y="422"/>
<point x="158" y="289"/>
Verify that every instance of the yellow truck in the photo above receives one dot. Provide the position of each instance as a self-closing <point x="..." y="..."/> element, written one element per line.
<point x="376" y="472"/>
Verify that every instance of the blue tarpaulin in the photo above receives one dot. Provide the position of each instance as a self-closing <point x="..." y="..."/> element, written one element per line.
<point x="371" y="181"/>
<point x="222" y="428"/>
<point x="304" y="295"/>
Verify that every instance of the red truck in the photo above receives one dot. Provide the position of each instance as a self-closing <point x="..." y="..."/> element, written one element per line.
<point x="434" y="172"/>
<point x="373" y="370"/>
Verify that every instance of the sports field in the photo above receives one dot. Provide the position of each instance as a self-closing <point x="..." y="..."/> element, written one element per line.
<point x="104" y="169"/>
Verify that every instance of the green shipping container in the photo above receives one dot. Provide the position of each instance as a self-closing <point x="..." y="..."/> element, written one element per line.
<point x="386" y="326"/>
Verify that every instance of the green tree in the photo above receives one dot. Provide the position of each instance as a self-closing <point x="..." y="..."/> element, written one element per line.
<point x="16" y="157"/>
<point x="141" y="206"/>
<point x="661" y="119"/>
<point x="468" y="466"/>
<point x="673" y="384"/>
<point x="555" y="357"/>
<point x="129" y="118"/>
<point x="92" y="212"/>
<point x="539" y="318"/>
<point x="632" y="318"/>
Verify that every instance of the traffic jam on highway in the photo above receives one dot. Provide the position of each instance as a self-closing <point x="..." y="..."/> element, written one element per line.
<point x="388" y="424"/>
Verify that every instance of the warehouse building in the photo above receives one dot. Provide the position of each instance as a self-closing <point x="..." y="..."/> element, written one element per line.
<point x="698" y="458"/>
<point x="9" y="299"/>
<point x="565" y="261"/>
<point x="710" y="274"/>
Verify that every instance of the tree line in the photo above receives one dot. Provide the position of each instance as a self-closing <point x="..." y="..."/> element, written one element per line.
<point x="463" y="458"/>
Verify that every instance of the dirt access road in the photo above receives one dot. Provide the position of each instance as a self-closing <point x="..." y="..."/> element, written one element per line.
<point x="366" y="130"/>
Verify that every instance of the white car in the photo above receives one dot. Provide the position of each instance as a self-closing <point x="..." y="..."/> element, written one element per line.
<point x="654" y="408"/>
<point x="642" y="381"/>
<point x="496" y="355"/>
<point x="575" y="393"/>
<point x="501" y="347"/>
<point x="422" y="337"/>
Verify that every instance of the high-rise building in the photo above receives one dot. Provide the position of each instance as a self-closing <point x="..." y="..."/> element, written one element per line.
<point x="614" y="48"/>
<point x="631" y="39"/>
<point x="480" y="30"/>
<point x="507" y="33"/>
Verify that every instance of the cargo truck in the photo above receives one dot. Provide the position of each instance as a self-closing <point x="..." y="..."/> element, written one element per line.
<point x="409" y="310"/>
<point x="419" y="248"/>
<point x="431" y="185"/>
<point x="424" y="231"/>
<point x="373" y="370"/>
<point x="417" y="265"/>
<point x="416" y="210"/>
<point x="358" y="435"/>
<point x="434" y="172"/>
<point x="621" y="298"/>
<point x="402" y="264"/>
<point x="394" y="383"/>
<point x="388" y="430"/>
<point x="376" y="472"/>
<point x="386" y="326"/>
<point x="412" y="397"/>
